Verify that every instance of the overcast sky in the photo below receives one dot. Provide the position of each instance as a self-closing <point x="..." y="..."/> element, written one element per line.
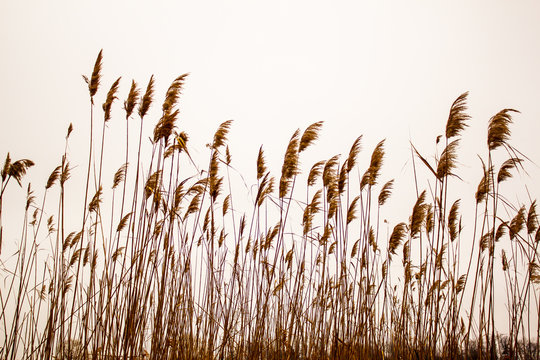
<point x="381" y="69"/>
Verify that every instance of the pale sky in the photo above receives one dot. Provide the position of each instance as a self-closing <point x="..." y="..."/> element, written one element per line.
<point x="381" y="69"/>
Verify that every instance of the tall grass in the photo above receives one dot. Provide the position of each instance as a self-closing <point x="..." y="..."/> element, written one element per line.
<point x="172" y="267"/>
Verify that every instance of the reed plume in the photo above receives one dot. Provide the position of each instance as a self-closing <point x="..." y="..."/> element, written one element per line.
<point x="310" y="135"/>
<point x="147" y="98"/>
<point x="385" y="193"/>
<point x="111" y="96"/>
<point x="447" y="162"/>
<point x="457" y="118"/>
<point x="375" y="164"/>
<point x="132" y="99"/>
<point x="290" y="164"/>
<point x="187" y="271"/>
<point x="499" y="128"/>
<point x="95" y="78"/>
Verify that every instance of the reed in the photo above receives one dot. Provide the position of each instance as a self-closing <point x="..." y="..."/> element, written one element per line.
<point x="168" y="263"/>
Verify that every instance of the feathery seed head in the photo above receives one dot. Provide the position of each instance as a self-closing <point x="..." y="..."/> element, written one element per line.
<point x="418" y="215"/>
<point x="534" y="272"/>
<point x="96" y="201"/>
<point x="310" y="211"/>
<point x="70" y="129"/>
<point x="532" y="218"/>
<point x="460" y="285"/>
<point x="147" y="99"/>
<point x="375" y="165"/>
<point x="351" y="213"/>
<point x="447" y="162"/>
<point x="220" y="136"/>
<point x="17" y="169"/>
<point x="504" y="260"/>
<point x="226" y="204"/>
<point x="152" y="184"/>
<point x="501" y="229"/>
<point x="504" y="171"/>
<point x="353" y="153"/>
<point x="499" y="128"/>
<point x="517" y="223"/>
<point x="29" y="197"/>
<point x="123" y="222"/>
<point x="485" y="185"/>
<point x="342" y="179"/>
<point x="429" y="218"/>
<point x="326" y="234"/>
<point x="398" y="235"/>
<point x="354" y="250"/>
<point x="453" y="225"/>
<point x="386" y="191"/>
<point x="261" y="166"/>
<point x="111" y="96"/>
<point x="290" y="162"/>
<point x="310" y="135"/>
<point x="65" y="174"/>
<point x="120" y="175"/>
<point x="290" y="165"/>
<point x="181" y="141"/>
<point x="53" y="177"/>
<point x="95" y="79"/>
<point x="228" y="157"/>
<point x="173" y="93"/>
<point x="329" y="172"/>
<point x="5" y="168"/>
<point x="132" y="99"/>
<point x="315" y="172"/>
<point x="165" y="126"/>
<point x="486" y="241"/>
<point x="265" y="188"/>
<point x="457" y="117"/>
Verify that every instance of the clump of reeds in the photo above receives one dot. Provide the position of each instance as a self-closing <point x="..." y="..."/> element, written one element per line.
<point x="173" y="267"/>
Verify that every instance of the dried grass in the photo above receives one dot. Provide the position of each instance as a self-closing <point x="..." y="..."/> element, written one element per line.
<point x="183" y="272"/>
